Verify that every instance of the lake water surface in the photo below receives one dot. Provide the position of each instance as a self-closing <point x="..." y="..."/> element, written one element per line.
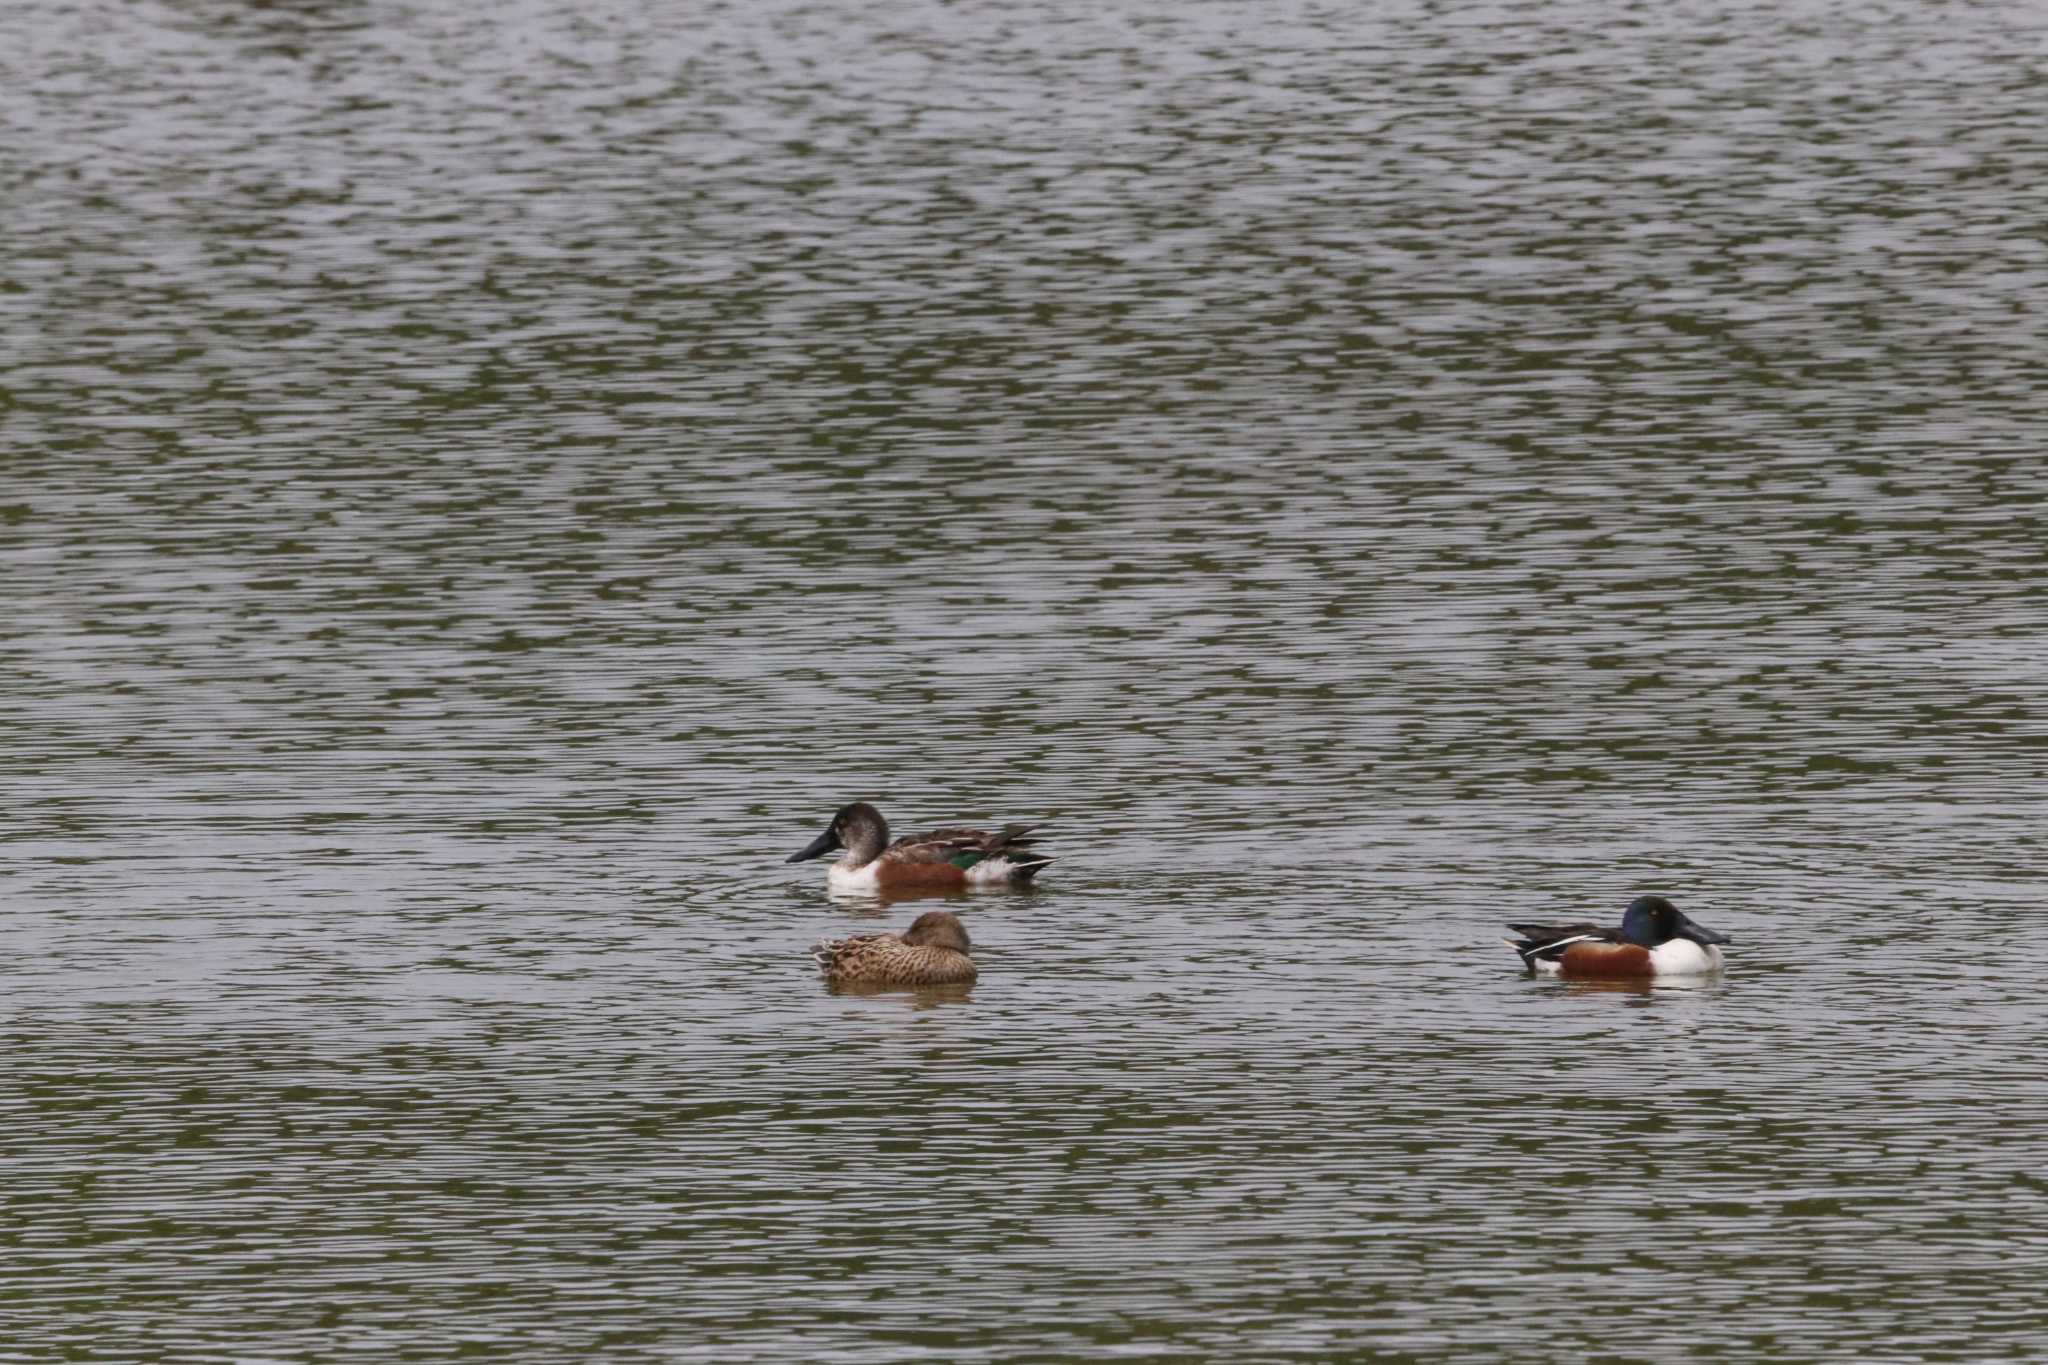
<point x="481" y="485"/>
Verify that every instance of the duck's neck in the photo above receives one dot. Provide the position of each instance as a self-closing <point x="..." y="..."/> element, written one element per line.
<point x="864" y="844"/>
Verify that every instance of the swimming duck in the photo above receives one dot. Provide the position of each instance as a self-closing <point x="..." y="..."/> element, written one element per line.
<point x="931" y="952"/>
<point x="1655" y="939"/>
<point x="943" y="860"/>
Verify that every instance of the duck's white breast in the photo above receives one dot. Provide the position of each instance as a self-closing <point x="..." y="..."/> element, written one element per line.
<point x="840" y="877"/>
<point x="1683" y="957"/>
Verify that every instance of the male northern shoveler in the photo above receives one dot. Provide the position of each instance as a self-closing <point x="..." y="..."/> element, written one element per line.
<point x="1655" y="939"/>
<point x="931" y="952"/>
<point x="943" y="860"/>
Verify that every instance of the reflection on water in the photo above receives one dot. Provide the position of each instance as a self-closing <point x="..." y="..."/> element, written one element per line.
<point x="1008" y="895"/>
<point x="921" y="997"/>
<point x="1642" y="987"/>
<point x="481" y="484"/>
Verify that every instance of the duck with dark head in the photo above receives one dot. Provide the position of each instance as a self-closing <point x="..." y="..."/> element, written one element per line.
<point x="1656" y="938"/>
<point x="942" y="860"/>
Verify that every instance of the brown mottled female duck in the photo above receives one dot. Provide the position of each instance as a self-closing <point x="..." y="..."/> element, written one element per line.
<point x="932" y="952"/>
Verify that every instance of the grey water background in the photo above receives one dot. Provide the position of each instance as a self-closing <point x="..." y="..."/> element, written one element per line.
<point x="481" y="484"/>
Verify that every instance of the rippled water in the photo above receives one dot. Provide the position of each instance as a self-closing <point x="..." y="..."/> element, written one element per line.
<point x="481" y="486"/>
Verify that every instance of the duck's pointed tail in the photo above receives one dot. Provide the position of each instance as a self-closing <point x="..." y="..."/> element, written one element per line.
<point x="1544" y="942"/>
<point x="1024" y="869"/>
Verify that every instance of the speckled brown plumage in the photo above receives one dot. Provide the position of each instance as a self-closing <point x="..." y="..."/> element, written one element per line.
<point x="932" y="952"/>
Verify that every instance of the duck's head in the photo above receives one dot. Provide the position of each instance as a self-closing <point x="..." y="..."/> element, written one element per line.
<point x="1652" y="920"/>
<point x="858" y="827"/>
<point x="937" y="929"/>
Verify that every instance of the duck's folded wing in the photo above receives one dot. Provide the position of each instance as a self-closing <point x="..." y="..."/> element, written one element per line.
<point x="951" y="845"/>
<point x="939" y="846"/>
<point x="864" y="958"/>
<point x="1548" y="941"/>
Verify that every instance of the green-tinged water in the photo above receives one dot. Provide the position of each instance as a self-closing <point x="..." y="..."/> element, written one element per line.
<point x="479" y="486"/>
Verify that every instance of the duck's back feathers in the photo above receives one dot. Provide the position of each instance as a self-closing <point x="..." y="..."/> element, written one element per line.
<point x="967" y="849"/>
